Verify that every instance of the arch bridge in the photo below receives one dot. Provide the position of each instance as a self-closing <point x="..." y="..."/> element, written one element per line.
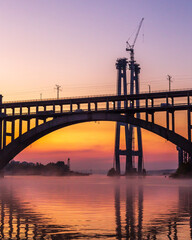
<point x="22" y="123"/>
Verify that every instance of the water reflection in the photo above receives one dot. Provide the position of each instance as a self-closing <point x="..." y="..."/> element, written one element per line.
<point x="164" y="226"/>
<point x="130" y="227"/>
<point x="20" y="222"/>
<point x="111" y="210"/>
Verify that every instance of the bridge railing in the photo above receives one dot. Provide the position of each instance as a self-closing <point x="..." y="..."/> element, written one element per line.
<point x="94" y="96"/>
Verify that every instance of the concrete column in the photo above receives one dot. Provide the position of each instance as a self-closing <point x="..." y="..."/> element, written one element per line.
<point x="152" y="102"/>
<point x="173" y="121"/>
<point x="125" y="104"/>
<point x="28" y="121"/>
<point x="95" y="106"/>
<point x="167" y="100"/>
<point x="89" y="106"/>
<point x="20" y="122"/>
<point x="37" y="109"/>
<point x="4" y="132"/>
<point x="140" y="150"/>
<point x="53" y="107"/>
<point x="114" y="106"/>
<point x="180" y="156"/>
<point x="189" y="124"/>
<point x="45" y="108"/>
<point x="1" y="134"/>
<point x="172" y="101"/>
<point x="146" y="105"/>
<point x="107" y="105"/>
<point x="1" y="137"/>
<point x="129" y="163"/>
<point x="167" y="119"/>
<point x="37" y="120"/>
<point x="71" y="107"/>
<point x="117" y="141"/>
<point x="13" y="126"/>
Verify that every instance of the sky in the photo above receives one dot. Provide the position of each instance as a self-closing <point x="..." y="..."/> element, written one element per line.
<point x="75" y="44"/>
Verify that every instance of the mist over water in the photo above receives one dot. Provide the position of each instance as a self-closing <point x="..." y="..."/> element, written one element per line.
<point x="95" y="207"/>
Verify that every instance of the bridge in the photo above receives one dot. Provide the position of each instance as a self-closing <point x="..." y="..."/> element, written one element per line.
<point x="23" y="122"/>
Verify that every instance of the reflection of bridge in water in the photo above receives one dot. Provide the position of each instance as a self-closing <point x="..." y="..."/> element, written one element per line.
<point x="19" y="221"/>
<point x="22" y="123"/>
<point x="165" y="225"/>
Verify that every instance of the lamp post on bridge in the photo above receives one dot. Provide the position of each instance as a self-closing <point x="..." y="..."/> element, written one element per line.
<point x="58" y="88"/>
<point x="170" y="81"/>
<point x="149" y="88"/>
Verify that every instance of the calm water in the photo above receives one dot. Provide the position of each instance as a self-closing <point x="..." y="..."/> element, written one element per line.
<point x="95" y="207"/>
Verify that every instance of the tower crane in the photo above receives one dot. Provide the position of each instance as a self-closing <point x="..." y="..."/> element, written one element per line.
<point x="130" y="47"/>
<point x="134" y="89"/>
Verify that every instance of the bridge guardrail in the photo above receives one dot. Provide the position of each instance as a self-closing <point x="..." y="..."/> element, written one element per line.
<point x="91" y="96"/>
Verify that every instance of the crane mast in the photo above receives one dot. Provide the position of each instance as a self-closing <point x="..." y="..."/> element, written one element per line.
<point x="130" y="47"/>
<point x="134" y="89"/>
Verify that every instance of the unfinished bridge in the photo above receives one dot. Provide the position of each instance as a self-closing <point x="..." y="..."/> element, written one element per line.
<point x="24" y="122"/>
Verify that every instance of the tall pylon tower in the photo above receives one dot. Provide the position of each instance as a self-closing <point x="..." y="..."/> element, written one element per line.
<point x="121" y="66"/>
<point x="130" y="151"/>
<point x="134" y="89"/>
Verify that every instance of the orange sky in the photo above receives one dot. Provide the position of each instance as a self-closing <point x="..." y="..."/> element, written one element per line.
<point x="91" y="146"/>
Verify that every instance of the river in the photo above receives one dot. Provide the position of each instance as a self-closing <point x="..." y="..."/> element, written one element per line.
<point x="95" y="207"/>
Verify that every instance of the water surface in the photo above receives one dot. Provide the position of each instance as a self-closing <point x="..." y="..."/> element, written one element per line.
<point x="95" y="207"/>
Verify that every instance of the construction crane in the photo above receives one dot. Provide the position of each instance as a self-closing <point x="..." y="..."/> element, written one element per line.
<point x="134" y="89"/>
<point x="130" y="47"/>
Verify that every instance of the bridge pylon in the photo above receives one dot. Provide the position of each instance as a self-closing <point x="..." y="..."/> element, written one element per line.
<point x="134" y="89"/>
<point x="121" y="66"/>
<point x="129" y="151"/>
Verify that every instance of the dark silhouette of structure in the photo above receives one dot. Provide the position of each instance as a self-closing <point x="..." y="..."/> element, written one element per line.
<point x="129" y="152"/>
<point x="131" y="224"/>
<point x="134" y="89"/>
<point x="121" y="66"/>
<point x="25" y="122"/>
<point x="18" y="221"/>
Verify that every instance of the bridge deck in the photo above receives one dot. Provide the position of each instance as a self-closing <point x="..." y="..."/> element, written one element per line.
<point x="148" y="102"/>
<point x="93" y="99"/>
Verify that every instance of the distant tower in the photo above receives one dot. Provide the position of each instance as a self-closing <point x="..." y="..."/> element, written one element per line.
<point x="121" y="66"/>
<point x="68" y="163"/>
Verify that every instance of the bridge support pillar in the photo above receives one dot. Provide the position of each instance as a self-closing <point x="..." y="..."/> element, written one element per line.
<point x="189" y="125"/>
<point x="1" y="173"/>
<point x="121" y="66"/>
<point x="1" y="134"/>
<point x="134" y="89"/>
<point x="4" y="133"/>
<point x="1" y="125"/>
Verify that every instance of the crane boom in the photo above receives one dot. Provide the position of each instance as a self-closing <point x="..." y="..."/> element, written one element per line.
<point x="137" y="32"/>
<point x="130" y="47"/>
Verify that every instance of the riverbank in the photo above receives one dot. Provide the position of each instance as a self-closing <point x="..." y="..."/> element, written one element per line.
<point x="15" y="168"/>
